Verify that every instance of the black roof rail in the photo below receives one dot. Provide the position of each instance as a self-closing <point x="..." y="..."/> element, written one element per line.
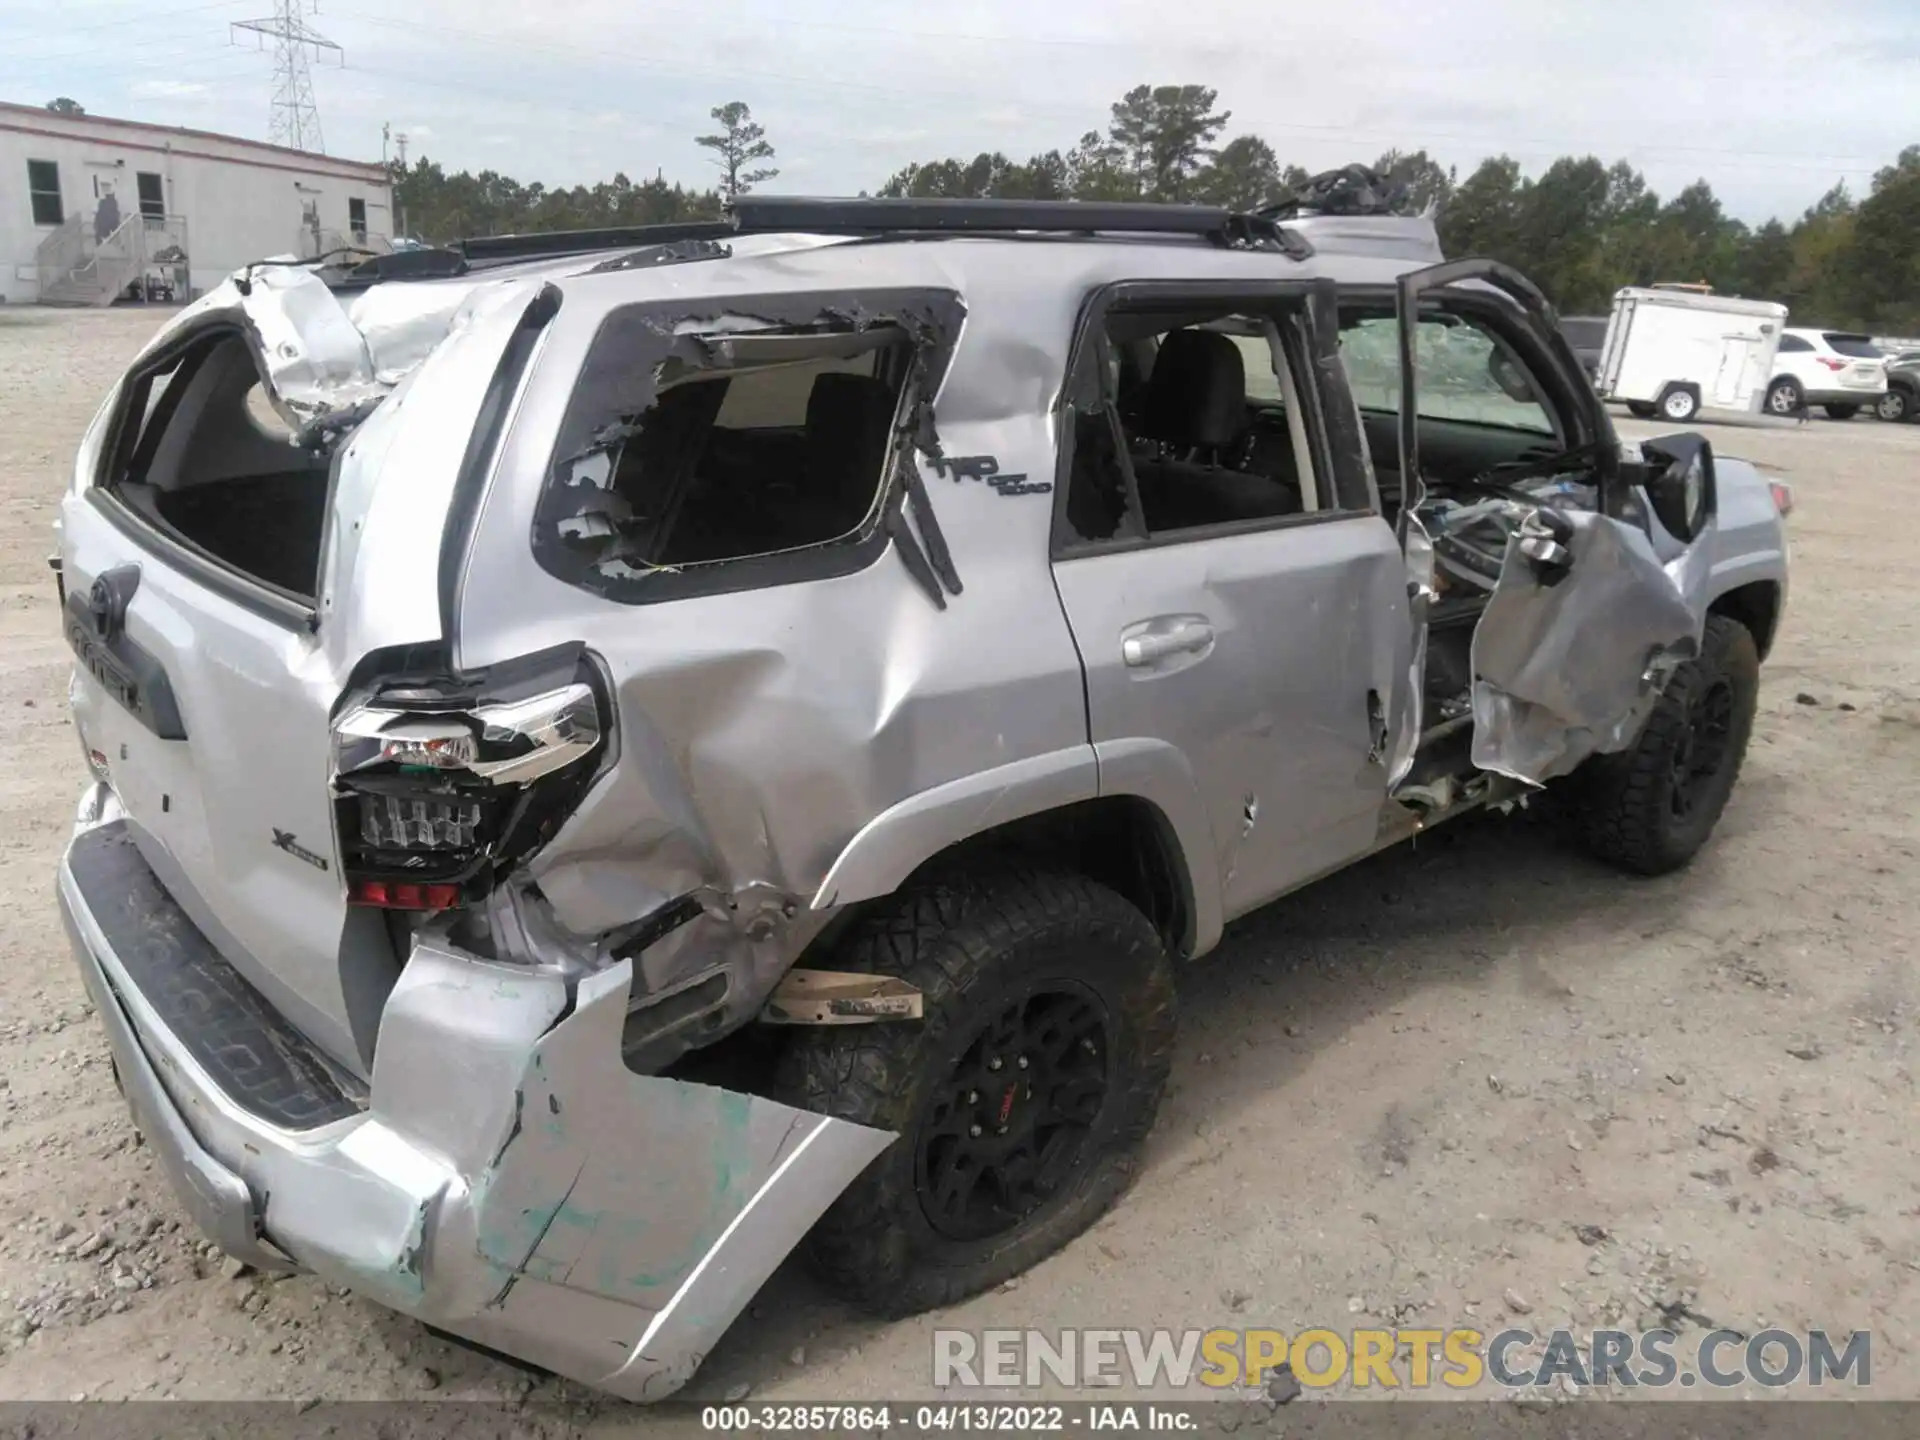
<point x="540" y="243"/>
<point x="865" y="216"/>
<point x="778" y="214"/>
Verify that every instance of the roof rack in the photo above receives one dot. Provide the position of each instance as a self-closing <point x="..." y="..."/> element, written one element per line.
<point x="579" y="242"/>
<point x="778" y="214"/>
<point x="809" y="215"/>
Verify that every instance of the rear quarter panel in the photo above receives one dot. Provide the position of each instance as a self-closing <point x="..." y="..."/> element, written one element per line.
<point x="759" y="731"/>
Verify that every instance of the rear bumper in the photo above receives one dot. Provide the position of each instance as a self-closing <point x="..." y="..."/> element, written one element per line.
<point x="1861" y="398"/>
<point x="506" y="1178"/>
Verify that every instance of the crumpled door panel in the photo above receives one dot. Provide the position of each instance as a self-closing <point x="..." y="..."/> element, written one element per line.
<point x="1571" y="669"/>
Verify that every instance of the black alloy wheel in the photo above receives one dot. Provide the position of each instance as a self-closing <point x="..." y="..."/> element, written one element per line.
<point x="1006" y="1130"/>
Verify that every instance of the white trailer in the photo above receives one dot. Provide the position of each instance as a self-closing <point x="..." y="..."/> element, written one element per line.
<point x="1670" y="352"/>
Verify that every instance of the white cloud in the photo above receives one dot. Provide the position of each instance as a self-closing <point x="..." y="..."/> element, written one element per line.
<point x="1687" y="88"/>
<point x="176" y="90"/>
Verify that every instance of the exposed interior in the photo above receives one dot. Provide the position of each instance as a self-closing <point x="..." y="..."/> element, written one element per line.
<point x="1185" y="421"/>
<point x="1188" y="421"/>
<point x="755" y="444"/>
<point x="207" y="460"/>
<point x="1492" y="449"/>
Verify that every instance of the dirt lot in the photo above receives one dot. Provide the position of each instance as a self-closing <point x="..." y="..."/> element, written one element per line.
<point x="1396" y="1098"/>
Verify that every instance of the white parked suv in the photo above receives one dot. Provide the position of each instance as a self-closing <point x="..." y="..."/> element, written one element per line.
<point x="1842" y="371"/>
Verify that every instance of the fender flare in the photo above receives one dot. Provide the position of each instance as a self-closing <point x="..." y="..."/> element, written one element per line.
<point x="896" y="842"/>
<point x="901" y="838"/>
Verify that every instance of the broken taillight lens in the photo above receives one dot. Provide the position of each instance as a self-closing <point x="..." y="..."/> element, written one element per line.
<point x="419" y="822"/>
<point x="440" y="783"/>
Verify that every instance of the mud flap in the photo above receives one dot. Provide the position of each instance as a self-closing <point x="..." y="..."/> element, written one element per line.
<point x="1569" y="657"/>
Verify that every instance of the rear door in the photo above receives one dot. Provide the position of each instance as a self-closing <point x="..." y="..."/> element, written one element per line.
<point x="1736" y="358"/>
<point x="229" y="802"/>
<point x="1235" y="593"/>
<point x="206" y="691"/>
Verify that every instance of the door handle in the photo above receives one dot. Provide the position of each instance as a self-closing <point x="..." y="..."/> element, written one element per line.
<point x="1140" y="651"/>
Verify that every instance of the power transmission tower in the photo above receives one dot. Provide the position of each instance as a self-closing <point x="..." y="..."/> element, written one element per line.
<point x="295" y="119"/>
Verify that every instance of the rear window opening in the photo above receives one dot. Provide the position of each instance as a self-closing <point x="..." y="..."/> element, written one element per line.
<point x="735" y="446"/>
<point x="1859" y="347"/>
<point x="204" y="458"/>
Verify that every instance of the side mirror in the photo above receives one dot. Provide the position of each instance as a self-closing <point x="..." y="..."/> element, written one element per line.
<point x="1680" y="483"/>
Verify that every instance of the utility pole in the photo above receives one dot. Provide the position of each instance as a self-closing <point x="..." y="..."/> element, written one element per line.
<point x="399" y="205"/>
<point x="294" y="119"/>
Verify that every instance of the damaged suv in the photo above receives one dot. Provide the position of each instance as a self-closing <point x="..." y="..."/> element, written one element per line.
<point x="616" y="755"/>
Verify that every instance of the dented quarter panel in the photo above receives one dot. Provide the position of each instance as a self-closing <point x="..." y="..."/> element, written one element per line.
<point x="755" y="749"/>
<point x="395" y="479"/>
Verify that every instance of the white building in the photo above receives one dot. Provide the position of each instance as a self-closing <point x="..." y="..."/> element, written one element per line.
<point x="91" y="208"/>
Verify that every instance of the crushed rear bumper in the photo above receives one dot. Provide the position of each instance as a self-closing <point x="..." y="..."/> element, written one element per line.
<point x="505" y="1177"/>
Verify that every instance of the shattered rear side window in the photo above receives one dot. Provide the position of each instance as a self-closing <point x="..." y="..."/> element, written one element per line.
<point x="725" y="451"/>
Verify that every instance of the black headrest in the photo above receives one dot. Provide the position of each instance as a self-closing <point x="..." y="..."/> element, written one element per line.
<point x="838" y="404"/>
<point x="1197" y="394"/>
<point x="849" y="421"/>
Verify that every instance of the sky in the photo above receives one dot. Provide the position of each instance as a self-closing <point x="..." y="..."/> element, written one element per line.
<point x="1771" y="101"/>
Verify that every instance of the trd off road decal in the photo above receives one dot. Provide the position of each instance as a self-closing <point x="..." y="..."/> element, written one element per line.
<point x="987" y="468"/>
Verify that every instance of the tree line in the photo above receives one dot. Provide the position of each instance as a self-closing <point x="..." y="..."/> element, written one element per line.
<point x="1581" y="228"/>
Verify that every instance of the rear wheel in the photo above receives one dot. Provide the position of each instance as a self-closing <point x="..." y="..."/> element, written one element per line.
<point x="1785" y="397"/>
<point x="1842" y="412"/>
<point x="1021" y="1099"/>
<point x="1651" y="808"/>
<point x="1895" y="406"/>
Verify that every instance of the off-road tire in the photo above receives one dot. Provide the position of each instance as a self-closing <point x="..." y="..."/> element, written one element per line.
<point x="1627" y="805"/>
<point x="974" y="942"/>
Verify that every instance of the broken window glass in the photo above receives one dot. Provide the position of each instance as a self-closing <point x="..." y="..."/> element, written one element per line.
<point x="1466" y="373"/>
<point x="751" y="444"/>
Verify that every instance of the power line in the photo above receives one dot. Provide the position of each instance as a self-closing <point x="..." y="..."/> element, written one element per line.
<point x="113" y="67"/>
<point x="294" y="119"/>
<point x="145" y="18"/>
<point x="1548" y="146"/>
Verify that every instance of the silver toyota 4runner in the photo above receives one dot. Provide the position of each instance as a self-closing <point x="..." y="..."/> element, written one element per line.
<point x="614" y="755"/>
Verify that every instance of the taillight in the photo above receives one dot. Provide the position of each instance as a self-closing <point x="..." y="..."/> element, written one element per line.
<point x="1782" y="497"/>
<point x="1833" y="364"/>
<point x="402" y="894"/>
<point x="440" y="784"/>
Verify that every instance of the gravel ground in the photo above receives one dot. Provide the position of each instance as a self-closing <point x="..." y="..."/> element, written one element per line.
<point x="1476" y="1078"/>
